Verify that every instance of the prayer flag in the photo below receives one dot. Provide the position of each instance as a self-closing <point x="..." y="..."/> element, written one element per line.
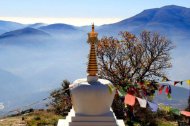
<point x="142" y="102"/>
<point x="188" y="82"/>
<point x="169" y="96"/>
<point x="181" y="82"/>
<point x="175" y="111"/>
<point x="170" y="89"/>
<point x="111" y="88"/>
<point x="161" y="88"/>
<point x="164" y="79"/>
<point x="130" y="99"/>
<point x="147" y="82"/>
<point x="185" y="113"/>
<point x="123" y="93"/>
<point x="153" y="106"/>
<point x="119" y="93"/>
<point x="176" y="82"/>
<point x="167" y="90"/>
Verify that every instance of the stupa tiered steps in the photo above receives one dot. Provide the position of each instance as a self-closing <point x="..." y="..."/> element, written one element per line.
<point x="104" y="120"/>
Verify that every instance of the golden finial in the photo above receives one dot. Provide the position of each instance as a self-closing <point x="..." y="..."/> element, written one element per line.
<point x="92" y="64"/>
<point x="92" y="27"/>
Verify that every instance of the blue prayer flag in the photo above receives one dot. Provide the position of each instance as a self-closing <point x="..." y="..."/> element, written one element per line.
<point x="153" y="106"/>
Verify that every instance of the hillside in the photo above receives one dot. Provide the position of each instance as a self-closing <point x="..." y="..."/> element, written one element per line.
<point x="36" y="25"/>
<point x="25" y="36"/>
<point x="39" y="117"/>
<point x="36" y="118"/>
<point x="179" y="97"/>
<point x="165" y="20"/>
<point x="6" y="26"/>
<point x="23" y="33"/>
<point x="60" y="29"/>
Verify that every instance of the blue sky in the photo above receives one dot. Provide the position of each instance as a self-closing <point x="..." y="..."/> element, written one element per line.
<point x="104" y="10"/>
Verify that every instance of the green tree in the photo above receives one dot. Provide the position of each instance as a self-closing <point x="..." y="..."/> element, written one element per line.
<point x="61" y="100"/>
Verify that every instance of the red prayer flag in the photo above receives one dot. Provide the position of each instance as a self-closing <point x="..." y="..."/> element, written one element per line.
<point x="176" y="82"/>
<point x="185" y="113"/>
<point x="130" y="99"/>
<point x="160" y="89"/>
<point x="167" y="90"/>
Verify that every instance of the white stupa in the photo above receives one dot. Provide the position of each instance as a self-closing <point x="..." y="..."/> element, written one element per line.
<point x="91" y="97"/>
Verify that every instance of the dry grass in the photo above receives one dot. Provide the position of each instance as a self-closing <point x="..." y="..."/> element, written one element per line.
<point x="42" y="118"/>
<point x="36" y="118"/>
<point x="163" y="122"/>
<point x="12" y="121"/>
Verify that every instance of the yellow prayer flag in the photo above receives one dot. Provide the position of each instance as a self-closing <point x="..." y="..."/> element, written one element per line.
<point x="147" y="82"/>
<point x="188" y="82"/>
<point x="111" y="88"/>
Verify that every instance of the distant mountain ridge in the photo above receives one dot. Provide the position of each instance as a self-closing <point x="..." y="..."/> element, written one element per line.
<point x="6" y="26"/>
<point x="164" y="14"/>
<point x="25" y="37"/>
<point x="36" y="25"/>
<point x="166" y="20"/>
<point x="24" y="32"/>
<point x="59" y="28"/>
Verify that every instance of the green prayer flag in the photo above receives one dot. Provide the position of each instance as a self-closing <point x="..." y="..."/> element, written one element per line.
<point x="119" y="93"/>
<point x="111" y="88"/>
<point x="123" y="93"/>
<point x="169" y="96"/>
<point x="175" y="111"/>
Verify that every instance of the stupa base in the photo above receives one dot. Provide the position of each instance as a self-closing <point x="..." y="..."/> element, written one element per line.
<point x="79" y="120"/>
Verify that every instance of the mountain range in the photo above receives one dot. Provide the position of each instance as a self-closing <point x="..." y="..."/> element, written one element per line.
<point x="35" y="58"/>
<point x="165" y="20"/>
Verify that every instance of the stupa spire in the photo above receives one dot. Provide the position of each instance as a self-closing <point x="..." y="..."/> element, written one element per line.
<point x="92" y="69"/>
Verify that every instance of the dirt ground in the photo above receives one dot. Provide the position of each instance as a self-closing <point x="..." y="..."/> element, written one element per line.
<point x="12" y="121"/>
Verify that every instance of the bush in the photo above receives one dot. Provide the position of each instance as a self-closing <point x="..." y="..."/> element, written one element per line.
<point x="61" y="100"/>
<point x="37" y="118"/>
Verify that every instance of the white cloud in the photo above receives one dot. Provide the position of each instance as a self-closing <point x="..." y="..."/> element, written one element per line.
<point x="72" y="21"/>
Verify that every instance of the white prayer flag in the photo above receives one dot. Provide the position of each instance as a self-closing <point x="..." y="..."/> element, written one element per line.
<point x="142" y="102"/>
